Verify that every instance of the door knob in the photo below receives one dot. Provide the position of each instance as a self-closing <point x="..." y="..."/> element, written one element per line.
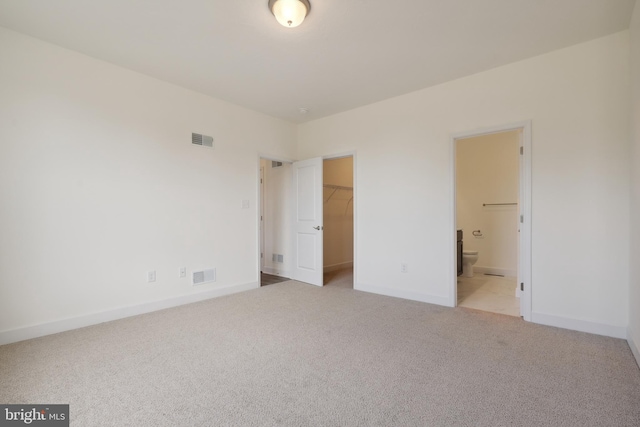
<point x="317" y="228"/>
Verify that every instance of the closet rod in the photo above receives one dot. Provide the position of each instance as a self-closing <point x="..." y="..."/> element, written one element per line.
<point x="499" y="204"/>
<point x="337" y="187"/>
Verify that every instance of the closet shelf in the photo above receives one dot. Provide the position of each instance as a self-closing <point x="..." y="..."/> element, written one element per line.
<point x="336" y="188"/>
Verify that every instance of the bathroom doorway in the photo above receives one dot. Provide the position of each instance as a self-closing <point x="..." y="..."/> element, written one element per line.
<point x="338" y="208"/>
<point x="491" y="197"/>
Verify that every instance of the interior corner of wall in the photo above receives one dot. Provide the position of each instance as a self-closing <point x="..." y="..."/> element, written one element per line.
<point x="634" y="345"/>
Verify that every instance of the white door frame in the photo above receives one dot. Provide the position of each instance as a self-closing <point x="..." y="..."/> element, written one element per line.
<point x="524" y="260"/>
<point x="353" y="155"/>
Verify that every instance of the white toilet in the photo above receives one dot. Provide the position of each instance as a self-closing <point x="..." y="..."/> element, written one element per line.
<point x="468" y="259"/>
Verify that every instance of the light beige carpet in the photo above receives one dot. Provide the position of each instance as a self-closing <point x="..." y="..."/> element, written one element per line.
<point x="291" y="354"/>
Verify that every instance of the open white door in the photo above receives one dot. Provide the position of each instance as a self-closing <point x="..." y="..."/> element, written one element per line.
<point x="307" y="222"/>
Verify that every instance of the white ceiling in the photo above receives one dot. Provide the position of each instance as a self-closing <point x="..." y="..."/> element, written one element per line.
<point x="346" y="54"/>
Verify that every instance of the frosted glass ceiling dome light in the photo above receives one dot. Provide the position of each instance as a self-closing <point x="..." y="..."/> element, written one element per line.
<point x="290" y="13"/>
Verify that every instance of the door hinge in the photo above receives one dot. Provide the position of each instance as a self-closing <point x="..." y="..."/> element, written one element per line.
<point x="521" y="151"/>
<point x="522" y="286"/>
<point x="521" y="219"/>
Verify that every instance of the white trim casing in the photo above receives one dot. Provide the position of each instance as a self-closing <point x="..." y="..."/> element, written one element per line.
<point x="29" y="332"/>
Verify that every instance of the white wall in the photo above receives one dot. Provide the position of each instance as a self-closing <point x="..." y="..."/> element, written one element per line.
<point x="634" y="274"/>
<point x="338" y="214"/>
<point x="487" y="171"/>
<point x="99" y="183"/>
<point x="277" y="218"/>
<point x="578" y="101"/>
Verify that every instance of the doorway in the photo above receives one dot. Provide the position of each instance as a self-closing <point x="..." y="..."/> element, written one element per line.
<point x="302" y="205"/>
<point x="338" y="221"/>
<point x="274" y="219"/>
<point x="491" y="215"/>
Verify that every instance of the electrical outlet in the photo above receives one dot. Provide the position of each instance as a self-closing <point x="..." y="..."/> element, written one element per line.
<point x="183" y="271"/>
<point x="404" y="268"/>
<point x="151" y="276"/>
<point x="245" y="204"/>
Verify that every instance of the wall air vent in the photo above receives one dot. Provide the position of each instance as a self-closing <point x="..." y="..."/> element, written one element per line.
<point x="204" y="276"/>
<point x="203" y="140"/>
<point x="276" y="164"/>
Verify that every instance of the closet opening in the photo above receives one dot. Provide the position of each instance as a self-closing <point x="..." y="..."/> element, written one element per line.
<point x="338" y="209"/>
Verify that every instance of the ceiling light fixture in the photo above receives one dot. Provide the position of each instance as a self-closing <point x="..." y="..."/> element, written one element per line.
<point x="290" y="13"/>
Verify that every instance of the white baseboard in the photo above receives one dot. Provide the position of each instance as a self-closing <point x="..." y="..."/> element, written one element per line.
<point x="492" y="270"/>
<point x="634" y="348"/>
<point x="276" y="272"/>
<point x="399" y="293"/>
<point x="336" y="267"/>
<point x="580" y="325"/>
<point x="29" y="332"/>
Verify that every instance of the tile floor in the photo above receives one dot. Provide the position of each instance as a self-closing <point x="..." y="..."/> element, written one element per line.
<point x="489" y="293"/>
